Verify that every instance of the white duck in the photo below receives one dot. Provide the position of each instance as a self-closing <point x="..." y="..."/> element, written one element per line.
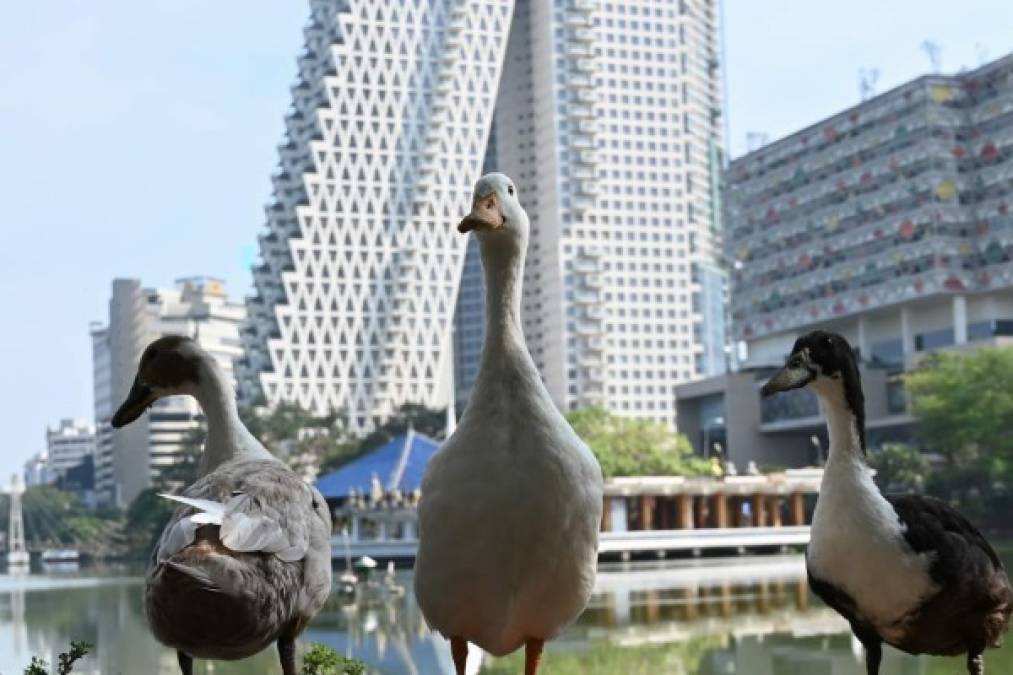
<point x="511" y="504"/>
<point x="247" y="560"/>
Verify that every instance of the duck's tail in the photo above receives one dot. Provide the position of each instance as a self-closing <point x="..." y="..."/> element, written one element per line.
<point x="214" y="603"/>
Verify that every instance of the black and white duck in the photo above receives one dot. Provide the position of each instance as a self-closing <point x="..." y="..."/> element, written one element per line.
<point x="246" y="560"/>
<point x="909" y="570"/>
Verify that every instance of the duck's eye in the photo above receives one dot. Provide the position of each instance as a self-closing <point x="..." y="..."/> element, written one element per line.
<point x="510" y="189"/>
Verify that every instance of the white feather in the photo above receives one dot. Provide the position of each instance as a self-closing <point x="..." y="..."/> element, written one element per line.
<point x="211" y="507"/>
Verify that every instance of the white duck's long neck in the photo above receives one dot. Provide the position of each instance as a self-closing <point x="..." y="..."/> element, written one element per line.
<point x="503" y="263"/>
<point x="227" y="437"/>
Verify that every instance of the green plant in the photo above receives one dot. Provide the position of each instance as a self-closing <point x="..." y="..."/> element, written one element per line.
<point x="322" y="660"/>
<point x="634" y="447"/>
<point x="78" y="649"/>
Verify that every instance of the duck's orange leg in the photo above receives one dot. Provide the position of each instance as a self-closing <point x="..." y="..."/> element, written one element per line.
<point x="459" y="650"/>
<point x="532" y="654"/>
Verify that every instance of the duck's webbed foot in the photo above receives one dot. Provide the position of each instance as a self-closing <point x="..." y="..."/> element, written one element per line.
<point x="185" y="663"/>
<point x="532" y="655"/>
<point x="286" y="653"/>
<point x="459" y="650"/>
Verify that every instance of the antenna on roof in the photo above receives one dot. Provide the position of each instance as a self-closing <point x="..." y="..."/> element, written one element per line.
<point x="867" y="78"/>
<point x="934" y="51"/>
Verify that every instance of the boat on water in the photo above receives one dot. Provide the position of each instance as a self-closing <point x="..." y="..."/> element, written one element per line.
<point x="17" y="558"/>
<point x="60" y="555"/>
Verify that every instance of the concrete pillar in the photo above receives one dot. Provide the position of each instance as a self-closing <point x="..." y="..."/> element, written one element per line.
<point x="652" y="606"/>
<point x="606" y="514"/>
<point x="381" y="530"/>
<point x="759" y="510"/>
<point x="692" y="603"/>
<point x="802" y="595"/>
<point x="907" y="337"/>
<point x="685" y="512"/>
<point x="797" y="508"/>
<point x="353" y="530"/>
<point x="960" y="319"/>
<point x="410" y="530"/>
<point x="703" y="512"/>
<point x="774" y="509"/>
<point x="720" y="510"/>
<point x="863" y="338"/>
<point x="727" y="600"/>
<point x="619" y="518"/>
<point x="622" y="596"/>
<point x="646" y="511"/>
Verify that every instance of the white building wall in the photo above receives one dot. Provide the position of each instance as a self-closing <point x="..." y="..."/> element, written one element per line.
<point x="361" y="263"/>
<point x="604" y="120"/>
<point x="128" y="459"/>
<point x="68" y="444"/>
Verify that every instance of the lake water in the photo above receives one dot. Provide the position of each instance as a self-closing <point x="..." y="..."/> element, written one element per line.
<point x="744" y="615"/>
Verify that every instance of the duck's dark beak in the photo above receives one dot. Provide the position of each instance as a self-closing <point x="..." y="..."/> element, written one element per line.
<point x="485" y="215"/>
<point x="138" y="400"/>
<point x="789" y="377"/>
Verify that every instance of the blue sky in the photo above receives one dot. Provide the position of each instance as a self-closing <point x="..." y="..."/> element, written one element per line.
<point x="137" y="138"/>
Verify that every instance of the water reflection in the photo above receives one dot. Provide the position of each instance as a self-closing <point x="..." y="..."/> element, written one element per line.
<point x="750" y="616"/>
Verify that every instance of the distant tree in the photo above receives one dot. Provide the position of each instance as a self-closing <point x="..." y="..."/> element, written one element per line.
<point x="144" y="521"/>
<point x="632" y="447"/>
<point x="900" y="468"/>
<point x="56" y="518"/>
<point x="965" y="399"/>
<point x="964" y="406"/>
<point x="303" y="439"/>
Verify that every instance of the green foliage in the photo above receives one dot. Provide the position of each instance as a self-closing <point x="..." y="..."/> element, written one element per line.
<point x="145" y="519"/>
<point x="322" y="660"/>
<point x="900" y="468"/>
<point x="78" y="649"/>
<point x="308" y="442"/>
<point x="56" y="518"/>
<point x="964" y="406"/>
<point x="633" y="447"/>
<point x="604" y="658"/>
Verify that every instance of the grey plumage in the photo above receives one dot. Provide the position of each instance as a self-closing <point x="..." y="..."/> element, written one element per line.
<point x="246" y="560"/>
<point x="213" y="601"/>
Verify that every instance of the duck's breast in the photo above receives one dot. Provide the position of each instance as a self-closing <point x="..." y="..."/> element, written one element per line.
<point x="857" y="544"/>
<point x="509" y="524"/>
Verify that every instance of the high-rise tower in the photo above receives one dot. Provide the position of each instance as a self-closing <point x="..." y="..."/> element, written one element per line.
<point x="361" y="262"/>
<point x="608" y="120"/>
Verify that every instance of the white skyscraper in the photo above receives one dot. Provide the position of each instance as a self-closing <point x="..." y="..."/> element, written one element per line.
<point x="608" y="119"/>
<point x="360" y="261"/>
<point x="128" y="459"/>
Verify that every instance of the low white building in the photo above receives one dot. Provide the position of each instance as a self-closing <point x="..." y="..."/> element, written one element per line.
<point x="67" y="446"/>
<point x="128" y="459"/>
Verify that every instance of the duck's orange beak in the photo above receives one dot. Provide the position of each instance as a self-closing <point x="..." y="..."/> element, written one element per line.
<point x="485" y="215"/>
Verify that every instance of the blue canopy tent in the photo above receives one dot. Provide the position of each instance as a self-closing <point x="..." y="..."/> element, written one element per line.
<point x="399" y="464"/>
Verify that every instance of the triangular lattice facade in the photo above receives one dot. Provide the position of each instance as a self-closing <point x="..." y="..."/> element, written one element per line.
<point x="360" y="262"/>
